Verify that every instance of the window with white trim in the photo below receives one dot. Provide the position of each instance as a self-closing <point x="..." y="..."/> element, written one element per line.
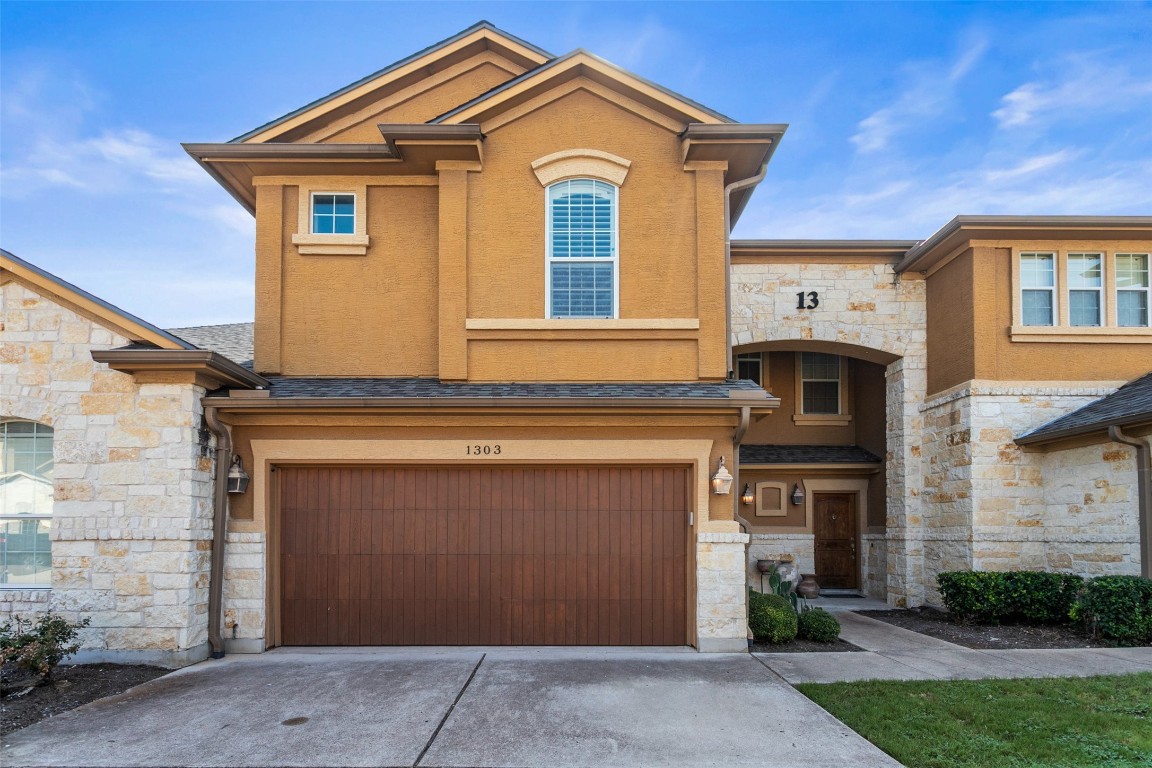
<point x="1062" y="295"/>
<point x="25" y="504"/>
<point x="333" y="214"/>
<point x="582" y="236"/>
<point x="1085" y="289"/>
<point x="1038" y="288"/>
<point x="1132" y="290"/>
<point x="819" y="383"/>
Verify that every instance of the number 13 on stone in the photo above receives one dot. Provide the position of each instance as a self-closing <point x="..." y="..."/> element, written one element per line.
<point x="809" y="300"/>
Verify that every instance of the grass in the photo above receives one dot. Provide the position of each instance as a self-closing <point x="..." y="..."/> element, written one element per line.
<point x="1104" y="722"/>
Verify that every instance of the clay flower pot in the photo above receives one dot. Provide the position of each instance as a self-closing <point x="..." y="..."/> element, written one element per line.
<point x="765" y="566"/>
<point x="808" y="588"/>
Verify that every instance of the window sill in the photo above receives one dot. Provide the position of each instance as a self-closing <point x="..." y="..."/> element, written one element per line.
<point x="821" y="419"/>
<point x="331" y="245"/>
<point x="1050" y="334"/>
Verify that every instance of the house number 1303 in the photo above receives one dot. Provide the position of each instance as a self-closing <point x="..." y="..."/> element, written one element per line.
<point x="483" y="450"/>
<point x="809" y="300"/>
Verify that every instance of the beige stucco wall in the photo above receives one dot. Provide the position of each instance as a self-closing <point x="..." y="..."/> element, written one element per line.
<point x="131" y="528"/>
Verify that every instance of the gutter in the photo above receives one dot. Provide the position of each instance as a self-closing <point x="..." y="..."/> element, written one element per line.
<point x="219" y="526"/>
<point x="250" y="403"/>
<point x="728" y="190"/>
<point x="1143" y="492"/>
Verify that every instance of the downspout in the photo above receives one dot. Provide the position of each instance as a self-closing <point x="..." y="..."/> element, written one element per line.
<point x="219" y="526"/>
<point x="1143" y="493"/>
<point x="745" y="417"/>
<point x="728" y="190"/>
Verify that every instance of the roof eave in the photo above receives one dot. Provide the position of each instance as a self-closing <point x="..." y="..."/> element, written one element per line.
<point x="210" y="365"/>
<point x="225" y="403"/>
<point x="1084" y="430"/>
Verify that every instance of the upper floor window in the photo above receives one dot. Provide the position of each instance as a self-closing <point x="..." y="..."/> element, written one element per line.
<point x="820" y="383"/>
<point x="1132" y="290"/>
<point x="1072" y="292"/>
<point x="25" y="504"/>
<point x="333" y="214"/>
<point x="582" y="241"/>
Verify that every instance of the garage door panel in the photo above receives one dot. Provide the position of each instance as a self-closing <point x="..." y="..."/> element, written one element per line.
<point x="484" y="555"/>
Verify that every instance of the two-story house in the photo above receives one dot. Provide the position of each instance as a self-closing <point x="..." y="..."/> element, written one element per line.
<point x="511" y="382"/>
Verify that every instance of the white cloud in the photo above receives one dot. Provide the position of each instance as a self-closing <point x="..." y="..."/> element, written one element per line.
<point x="1030" y="166"/>
<point x="929" y="93"/>
<point x="1080" y="87"/>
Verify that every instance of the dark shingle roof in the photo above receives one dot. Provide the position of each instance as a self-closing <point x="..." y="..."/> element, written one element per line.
<point x="233" y="340"/>
<point x="294" y="387"/>
<point x="806" y="454"/>
<point x="1131" y="404"/>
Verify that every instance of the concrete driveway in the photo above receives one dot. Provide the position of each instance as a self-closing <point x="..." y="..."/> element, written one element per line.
<point x="438" y="707"/>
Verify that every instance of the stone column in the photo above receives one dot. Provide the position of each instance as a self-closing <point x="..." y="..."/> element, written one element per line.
<point x="904" y="524"/>
<point x="721" y="594"/>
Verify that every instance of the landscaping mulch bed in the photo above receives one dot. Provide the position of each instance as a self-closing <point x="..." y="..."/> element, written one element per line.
<point x="805" y="646"/>
<point x="939" y="624"/>
<point x="70" y="687"/>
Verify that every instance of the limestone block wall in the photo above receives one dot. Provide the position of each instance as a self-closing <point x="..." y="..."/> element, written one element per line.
<point x="244" y="591"/>
<point x="131" y="528"/>
<point x="867" y="305"/>
<point x="721" y="592"/>
<point x="874" y="565"/>
<point x="991" y="505"/>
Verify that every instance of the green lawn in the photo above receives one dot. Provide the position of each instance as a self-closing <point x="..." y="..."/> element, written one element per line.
<point x="1097" y="722"/>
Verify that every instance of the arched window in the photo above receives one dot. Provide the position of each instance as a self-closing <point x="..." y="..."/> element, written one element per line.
<point x="25" y="504"/>
<point x="582" y="249"/>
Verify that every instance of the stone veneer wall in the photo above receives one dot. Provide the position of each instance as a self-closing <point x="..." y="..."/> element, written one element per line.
<point x="869" y="306"/>
<point x="992" y="505"/>
<point x="132" y="515"/>
<point x="770" y="546"/>
<point x="244" y="591"/>
<point x="721" y="593"/>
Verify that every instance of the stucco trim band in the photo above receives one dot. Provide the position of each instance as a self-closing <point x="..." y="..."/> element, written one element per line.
<point x="572" y="163"/>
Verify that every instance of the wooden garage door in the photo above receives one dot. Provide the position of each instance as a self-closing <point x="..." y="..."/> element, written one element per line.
<point x="484" y="555"/>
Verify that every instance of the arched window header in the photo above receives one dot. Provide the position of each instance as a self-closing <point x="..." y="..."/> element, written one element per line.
<point x="581" y="163"/>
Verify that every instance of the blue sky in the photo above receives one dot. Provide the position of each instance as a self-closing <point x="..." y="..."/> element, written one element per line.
<point x="902" y="115"/>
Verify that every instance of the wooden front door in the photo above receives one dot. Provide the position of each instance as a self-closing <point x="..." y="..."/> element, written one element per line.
<point x="484" y="555"/>
<point x="835" y="521"/>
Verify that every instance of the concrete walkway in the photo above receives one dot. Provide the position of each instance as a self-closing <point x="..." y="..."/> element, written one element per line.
<point x="453" y="707"/>
<point x="899" y="654"/>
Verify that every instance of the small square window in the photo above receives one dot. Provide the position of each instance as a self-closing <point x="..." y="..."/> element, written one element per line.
<point x="333" y="214"/>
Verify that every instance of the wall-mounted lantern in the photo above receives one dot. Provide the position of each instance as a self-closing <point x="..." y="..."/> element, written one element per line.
<point x="722" y="480"/>
<point x="747" y="497"/>
<point x="237" y="478"/>
<point x="797" y="495"/>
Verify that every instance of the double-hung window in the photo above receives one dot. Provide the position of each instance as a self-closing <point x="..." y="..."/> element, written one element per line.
<point x="1085" y="288"/>
<point x="750" y="366"/>
<point x="25" y="504"/>
<point x="820" y="383"/>
<point x="1038" y="288"/>
<point x="1132" y="290"/>
<point x="582" y="236"/>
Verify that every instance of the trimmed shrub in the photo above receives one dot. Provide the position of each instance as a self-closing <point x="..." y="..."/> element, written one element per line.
<point x="772" y="624"/>
<point x="1118" y="608"/>
<point x="1041" y="598"/>
<point x="819" y="625"/>
<point x="976" y="596"/>
<point x="38" y="647"/>
<point x="778" y="601"/>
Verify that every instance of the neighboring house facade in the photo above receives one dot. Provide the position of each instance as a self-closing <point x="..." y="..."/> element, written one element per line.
<point x="509" y="381"/>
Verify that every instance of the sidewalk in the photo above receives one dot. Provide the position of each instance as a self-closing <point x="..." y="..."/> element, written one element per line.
<point x="893" y="653"/>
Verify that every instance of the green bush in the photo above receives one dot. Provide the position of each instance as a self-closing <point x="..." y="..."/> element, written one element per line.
<point x="976" y="596"/>
<point x="995" y="597"/>
<point x="819" y="625"/>
<point x="1118" y="608"/>
<point x="772" y="624"/>
<point x="38" y="647"/>
<point x="1040" y="598"/>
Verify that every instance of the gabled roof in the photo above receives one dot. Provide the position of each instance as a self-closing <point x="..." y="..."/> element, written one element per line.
<point x="581" y="63"/>
<point x="100" y="311"/>
<point x="1131" y="405"/>
<point x="482" y="33"/>
<point x="233" y="340"/>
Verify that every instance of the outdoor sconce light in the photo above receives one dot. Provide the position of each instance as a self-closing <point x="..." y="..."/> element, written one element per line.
<point x="747" y="497"/>
<point x="797" y="495"/>
<point x="722" y="480"/>
<point x="237" y="478"/>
